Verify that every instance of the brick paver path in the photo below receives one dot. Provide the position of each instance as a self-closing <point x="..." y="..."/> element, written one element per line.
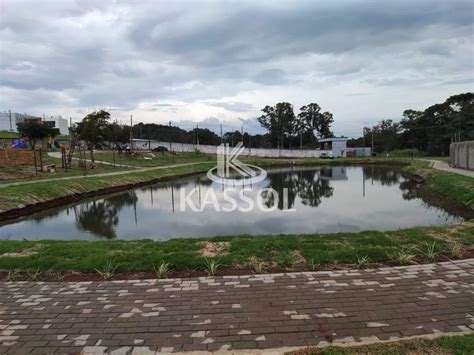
<point x="241" y="312"/>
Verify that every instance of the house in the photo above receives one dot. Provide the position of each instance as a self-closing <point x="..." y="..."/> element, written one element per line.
<point x="338" y="145"/>
<point x="59" y="123"/>
<point x="9" y="120"/>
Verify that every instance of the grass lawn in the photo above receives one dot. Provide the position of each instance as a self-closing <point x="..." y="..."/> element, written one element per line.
<point x="28" y="194"/>
<point x="255" y="253"/>
<point x="454" y="186"/>
<point x="142" y="159"/>
<point x="446" y="345"/>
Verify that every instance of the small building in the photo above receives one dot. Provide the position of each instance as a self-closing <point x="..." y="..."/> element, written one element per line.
<point x="59" y="123"/>
<point x="337" y="145"/>
<point x="9" y="120"/>
<point x="359" y="152"/>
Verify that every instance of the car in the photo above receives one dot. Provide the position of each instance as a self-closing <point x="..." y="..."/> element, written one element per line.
<point x="327" y="156"/>
<point x="160" y="149"/>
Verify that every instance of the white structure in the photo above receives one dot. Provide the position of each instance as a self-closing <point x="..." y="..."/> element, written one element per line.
<point x="461" y="155"/>
<point x="359" y="152"/>
<point x="9" y="120"/>
<point x="144" y="144"/>
<point x="338" y="145"/>
<point x="58" y="122"/>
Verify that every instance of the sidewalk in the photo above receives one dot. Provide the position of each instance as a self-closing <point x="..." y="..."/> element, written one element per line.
<point x="242" y="312"/>
<point x="444" y="166"/>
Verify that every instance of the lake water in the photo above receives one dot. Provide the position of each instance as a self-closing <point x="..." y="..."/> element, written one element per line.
<point x="320" y="199"/>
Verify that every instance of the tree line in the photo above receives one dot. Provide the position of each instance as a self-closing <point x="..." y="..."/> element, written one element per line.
<point x="430" y="131"/>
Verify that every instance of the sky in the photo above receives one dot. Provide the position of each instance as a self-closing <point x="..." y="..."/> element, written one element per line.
<point x="212" y="62"/>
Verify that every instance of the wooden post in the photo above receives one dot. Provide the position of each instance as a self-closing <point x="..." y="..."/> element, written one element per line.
<point x="41" y="159"/>
<point x="36" y="166"/>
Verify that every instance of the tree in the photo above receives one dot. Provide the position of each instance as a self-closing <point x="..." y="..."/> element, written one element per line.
<point x="279" y="120"/>
<point x="94" y="129"/>
<point x="35" y="131"/>
<point x="313" y="119"/>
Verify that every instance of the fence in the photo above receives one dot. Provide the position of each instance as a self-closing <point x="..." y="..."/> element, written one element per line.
<point x="212" y="149"/>
<point x="461" y="155"/>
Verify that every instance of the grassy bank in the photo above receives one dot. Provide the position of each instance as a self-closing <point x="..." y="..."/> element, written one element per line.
<point x="252" y="253"/>
<point x="14" y="197"/>
<point x="453" y="186"/>
<point x="30" y="194"/>
<point x="446" y="345"/>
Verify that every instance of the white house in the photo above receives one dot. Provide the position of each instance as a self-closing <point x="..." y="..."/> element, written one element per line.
<point x="338" y="145"/>
<point x="9" y="120"/>
<point x="58" y="122"/>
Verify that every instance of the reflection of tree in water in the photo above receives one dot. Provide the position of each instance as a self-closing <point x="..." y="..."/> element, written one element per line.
<point x="409" y="189"/>
<point x="386" y="176"/>
<point x="306" y="184"/>
<point x="101" y="217"/>
<point x="311" y="192"/>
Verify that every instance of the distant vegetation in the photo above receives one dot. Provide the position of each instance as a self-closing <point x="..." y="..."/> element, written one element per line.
<point x="430" y="131"/>
<point x="422" y="132"/>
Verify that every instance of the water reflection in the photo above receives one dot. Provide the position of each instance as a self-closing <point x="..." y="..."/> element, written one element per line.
<point x="326" y="199"/>
<point x="101" y="217"/>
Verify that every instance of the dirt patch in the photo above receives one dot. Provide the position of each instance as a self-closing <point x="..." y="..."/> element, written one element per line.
<point x="298" y="259"/>
<point x="213" y="249"/>
<point x="16" y="157"/>
<point x="24" y="253"/>
<point x="21" y="254"/>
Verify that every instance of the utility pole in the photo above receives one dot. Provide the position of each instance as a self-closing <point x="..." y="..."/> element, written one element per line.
<point x="10" y="113"/>
<point x="131" y="133"/>
<point x="170" y="137"/>
<point x="197" y="135"/>
<point x="221" y="133"/>
<point x="372" y="141"/>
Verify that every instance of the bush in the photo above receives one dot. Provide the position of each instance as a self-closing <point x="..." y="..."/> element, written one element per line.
<point x="407" y="153"/>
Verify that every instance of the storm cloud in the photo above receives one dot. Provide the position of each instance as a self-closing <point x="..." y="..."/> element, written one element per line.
<point x="223" y="61"/>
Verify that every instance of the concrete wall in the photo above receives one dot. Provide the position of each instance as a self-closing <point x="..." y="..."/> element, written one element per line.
<point x="461" y="155"/>
<point x="212" y="149"/>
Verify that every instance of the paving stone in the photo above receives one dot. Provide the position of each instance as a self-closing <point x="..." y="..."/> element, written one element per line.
<point x="238" y="312"/>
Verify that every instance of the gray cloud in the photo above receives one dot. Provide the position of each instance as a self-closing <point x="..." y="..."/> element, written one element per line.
<point x="199" y="60"/>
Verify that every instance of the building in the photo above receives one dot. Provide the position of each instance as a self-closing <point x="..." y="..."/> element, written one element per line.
<point x="338" y="145"/>
<point x="9" y="120"/>
<point x="359" y="152"/>
<point x="59" y="123"/>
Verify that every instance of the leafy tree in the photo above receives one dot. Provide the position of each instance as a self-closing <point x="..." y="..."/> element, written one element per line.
<point x="313" y="119"/>
<point x="279" y="120"/>
<point x="36" y="131"/>
<point x="94" y="129"/>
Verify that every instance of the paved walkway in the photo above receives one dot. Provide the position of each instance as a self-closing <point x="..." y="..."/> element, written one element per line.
<point x="444" y="166"/>
<point x="114" y="173"/>
<point x="241" y="312"/>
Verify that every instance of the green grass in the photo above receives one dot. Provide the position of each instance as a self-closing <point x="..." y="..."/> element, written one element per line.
<point x="22" y="195"/>
<point x="157" y="159"/>
<point x="279" y="252"/>
<point x="9" y="135"/>
<point x="456" y="187"/>
<point x="446" y="345"/>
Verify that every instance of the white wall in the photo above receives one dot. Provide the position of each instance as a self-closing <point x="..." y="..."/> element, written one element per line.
<point x="212" y="149"/>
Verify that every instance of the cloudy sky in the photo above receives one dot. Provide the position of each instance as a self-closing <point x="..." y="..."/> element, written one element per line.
<point x="202" y="61"/>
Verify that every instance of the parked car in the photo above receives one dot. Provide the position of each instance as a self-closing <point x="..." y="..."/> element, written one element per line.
<point x="160" y="149"/>
<point x="327" y="156"/>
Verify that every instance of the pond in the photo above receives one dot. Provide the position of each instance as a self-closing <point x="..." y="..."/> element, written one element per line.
<point x="308" y="200"/>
